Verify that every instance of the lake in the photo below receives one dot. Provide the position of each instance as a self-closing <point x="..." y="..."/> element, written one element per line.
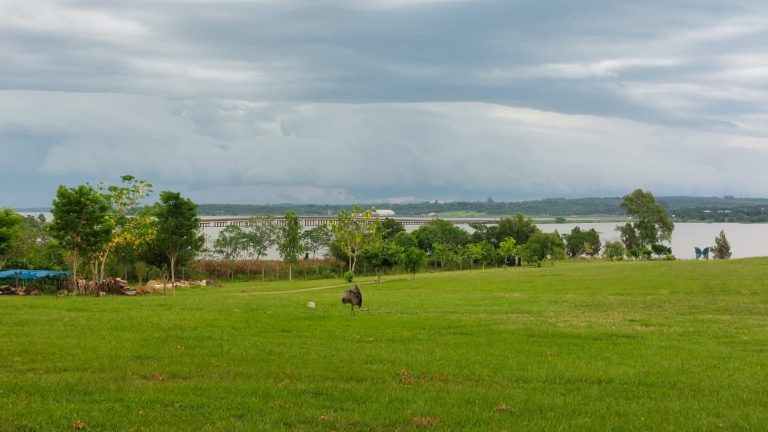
<point x="747" y="240"/>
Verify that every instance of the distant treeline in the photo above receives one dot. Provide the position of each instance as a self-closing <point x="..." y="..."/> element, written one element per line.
<point x="751" y="214"/>
<point x="683" y="207"/>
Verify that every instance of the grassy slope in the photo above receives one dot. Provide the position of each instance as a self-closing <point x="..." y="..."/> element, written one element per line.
<point x="586" y="346"/>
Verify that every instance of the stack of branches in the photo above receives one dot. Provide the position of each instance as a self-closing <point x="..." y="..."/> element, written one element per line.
<point x="114" y="286"/>
<point x="12" y="290"/>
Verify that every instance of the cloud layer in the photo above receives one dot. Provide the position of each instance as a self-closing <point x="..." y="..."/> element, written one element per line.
<point x="343" y="101"/>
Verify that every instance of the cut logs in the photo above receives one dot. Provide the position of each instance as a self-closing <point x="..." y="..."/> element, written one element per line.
<point x="115" y="286"/>
<point x="12" y="290"/>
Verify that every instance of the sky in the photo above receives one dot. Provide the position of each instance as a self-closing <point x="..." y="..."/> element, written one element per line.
<point x="358" y="101"/>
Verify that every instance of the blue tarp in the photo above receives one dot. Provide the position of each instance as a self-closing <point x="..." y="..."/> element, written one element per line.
<point x="31" y="274"/>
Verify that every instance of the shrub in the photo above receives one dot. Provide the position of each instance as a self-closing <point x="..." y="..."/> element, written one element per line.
<point x="348" y="276"/>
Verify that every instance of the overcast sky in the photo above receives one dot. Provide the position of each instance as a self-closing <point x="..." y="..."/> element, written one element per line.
<point x="342" y="101"/>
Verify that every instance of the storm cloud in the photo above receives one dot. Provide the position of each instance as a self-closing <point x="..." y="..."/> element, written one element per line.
<point x="363" y="100"/>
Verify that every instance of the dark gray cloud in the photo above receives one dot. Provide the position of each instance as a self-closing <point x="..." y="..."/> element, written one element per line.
<point x="287" y="100"/>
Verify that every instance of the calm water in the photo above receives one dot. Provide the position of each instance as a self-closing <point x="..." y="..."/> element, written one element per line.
<point x="747" y="240"/>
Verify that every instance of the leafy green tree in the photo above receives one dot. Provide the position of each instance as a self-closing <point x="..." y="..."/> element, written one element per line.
<point x="230" y="242"/>
<point x="289" y="241"/>
<point x="405" y="240"/>
<point x="260" y="235"/>
<point x="489" y="255"/>
<point x="661" y="250"/>
<point x="381" y="256"/>
<point x="135" y="236"/>
<point x="178" y="231"/>
<point x="473" y="252"/>
<point x="482" y="232"/>
<point x="646" y="252"/>
<point x="125" y="199"/>
<point x="541" y="246"/>
<point x="441" y="254"/>
<point x="580" y="242"/>
<point x="722" y="248"/>
<point x="509" y="250"/>
<point x="518" y="227"/>
<point x="390" y="228"/>
<point x="33" y="246"/>
<point x="9" y="228"/>
<point x="614" y="250"/>
<point x="412" y="260"/>
<point x="629" y="236"/>
<point x="352" y="231"/>
<point x="317" y="239"/>
<point x="652" y="222"/>
<point x="81" y="222"/>
<point x="438" y="231"/>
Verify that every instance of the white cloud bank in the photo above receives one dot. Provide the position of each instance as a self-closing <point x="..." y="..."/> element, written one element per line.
<point x="323" y="152"/>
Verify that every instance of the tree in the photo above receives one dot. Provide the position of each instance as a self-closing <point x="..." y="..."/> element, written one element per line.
<point x="316" y="239"/>
<point x="541" y="246"/>
<point x="124" y="200"/>
<point x="412" y="260"/>
<point x="652" y="223"/>
<point x="580" y="242"/>
<point x="722" y="248"/>
<point x="33" y="247"/>
<point x="260" y="234"/>
<point x="488" y="255"/>
<point x="9" y="228"/>
<point x="352" y="230"/>
<point x="438" y="231"/>
<point x="390" y="227"/>
<point x="289" y="241"/>
<point x="135" y="236"/>
<point x="178" y="231"/>
<point x="629" y="237"/>
<point x="518" y="227"/>
<point x="509" y="249"/>
<point x="474" y="253"/>
<point x="484" y="232"/>
<point x="661" y="250"/>
<point x="405" y="240"/>
<point x="381" y="256"/>
<point x="614" y="250"/>
<point x="81" y="222"/>
<point x="230" y="243"/>
<point x="441" y="253"/>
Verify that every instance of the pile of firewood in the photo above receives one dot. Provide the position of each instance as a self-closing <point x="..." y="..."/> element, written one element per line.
<point x="111" y="286"/>
<point x="115" y="286"/>
<point x="12" y="290"/>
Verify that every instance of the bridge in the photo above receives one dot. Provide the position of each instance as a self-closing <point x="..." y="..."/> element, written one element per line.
<point x="315" y="221"/>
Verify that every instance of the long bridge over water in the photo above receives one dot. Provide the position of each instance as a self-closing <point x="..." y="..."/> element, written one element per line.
<point x="314" y="221"/>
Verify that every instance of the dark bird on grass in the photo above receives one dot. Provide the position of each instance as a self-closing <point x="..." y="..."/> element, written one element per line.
<point x="354" y="297"/>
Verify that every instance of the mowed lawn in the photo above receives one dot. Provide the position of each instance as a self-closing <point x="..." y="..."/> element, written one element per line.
<point x="575" y="346"/>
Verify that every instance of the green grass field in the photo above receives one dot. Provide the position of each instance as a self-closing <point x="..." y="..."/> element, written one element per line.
<point x="577" y="346"/>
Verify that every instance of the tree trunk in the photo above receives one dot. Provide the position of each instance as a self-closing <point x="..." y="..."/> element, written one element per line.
<point x="103" y="264"/>
<point x="290" y="272"/>
<point x="173" y="274"/>
<point x="75" y="262"/>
